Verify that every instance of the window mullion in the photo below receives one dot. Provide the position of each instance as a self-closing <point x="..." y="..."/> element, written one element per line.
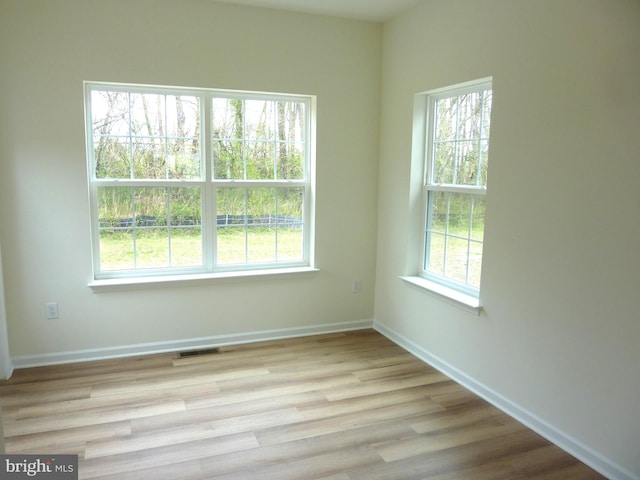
<point x="209" y="195"/>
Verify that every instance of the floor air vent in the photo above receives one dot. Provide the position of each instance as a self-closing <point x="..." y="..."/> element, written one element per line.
<point x="195" y="353"/>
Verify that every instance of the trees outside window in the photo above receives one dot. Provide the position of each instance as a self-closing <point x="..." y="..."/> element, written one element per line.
<point x="197" y="181"/>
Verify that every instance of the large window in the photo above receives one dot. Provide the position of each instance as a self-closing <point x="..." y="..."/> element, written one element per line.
<point x="198" y="181"/>
<point x="456" y="137"/>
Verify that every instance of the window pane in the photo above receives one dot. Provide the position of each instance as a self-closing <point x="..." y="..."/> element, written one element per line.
<point x="269" y="139"/>
<point x="477" y="218"/>
<point x="484" y="162"/>
<point x="183" y="117"/>
<point x="290" y="243"/>
<point x="486" y="113"/>
<point x="228" y="131"/>
<point x="231" y="203"/>
<point x="116" y="249"/>
<point x="459" y="214"/>
<point x="290" y="161"/>
<point x="112" y="157"/>
<point x="115" y="216"/>
<point x="151" y="243"/>
<point x="185" y="205"/>
<point x="150" y="206"/>
<point x="469" y="116"/>
<point x="186" y="247"/>
<point x="444" y="163"/>
<point x="231" y="245"/>
<point x="467" y="163"/>
<point x="290" y="206"/>
<point x="475" y="263"/>
<point x="231" y="226"/>
<point x="260" y="160"/>
<point x="438" y="204"/>
<point x="149" y="158"/>
<point x="291" y="121"/>
<point x="456" y="259"/>
<point x="454" y="236"/>
<point x="115" y="207"/>
<point x="183" y="159"/>
<point x="435" y="260"/>
<point x="152" y="248"/>
<point x="261" y="244"/>
<point x="228" y="160"/>
<point x="459" y="155"/>
<point x="135" y="231"/>
<point x="134" y="128"/>
<point x="147" y="111"/>
<point x="110" y="113"/>
<point x="446" y="119"/>
<point x="260" y="120"/>
<point x="261" y="207"/>
<point x="270" y="229"/>
<point x="290" y="225"/>
<point x="185" y="208"/>
<point x="291" y="137"/>
<point x="227" y="120"/>
<point x="261" y="203"/>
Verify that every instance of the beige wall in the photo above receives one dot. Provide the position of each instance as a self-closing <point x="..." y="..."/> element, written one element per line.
<point x="49" y="47"/>
<point x="560" y="332"/>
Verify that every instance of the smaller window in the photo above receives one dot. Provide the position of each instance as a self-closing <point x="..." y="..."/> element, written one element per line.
<point x="456" y="149"/>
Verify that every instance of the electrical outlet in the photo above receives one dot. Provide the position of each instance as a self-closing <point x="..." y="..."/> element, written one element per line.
<point x="52" y="311"/>
<point x="356" y="285"/>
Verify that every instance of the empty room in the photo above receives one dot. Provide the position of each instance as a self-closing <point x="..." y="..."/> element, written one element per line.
<point x="346" y="239"/>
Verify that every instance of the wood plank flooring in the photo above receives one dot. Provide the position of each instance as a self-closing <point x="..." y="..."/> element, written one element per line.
<point x="347" y="406"/>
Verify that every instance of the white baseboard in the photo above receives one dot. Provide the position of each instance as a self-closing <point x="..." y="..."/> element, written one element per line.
<point x="580" y="451"/>
<point x="76" y="356"/>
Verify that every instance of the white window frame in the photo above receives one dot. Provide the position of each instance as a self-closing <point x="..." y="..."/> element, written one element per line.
<point x="424" y="150"/>
<point x="208" y="185"/>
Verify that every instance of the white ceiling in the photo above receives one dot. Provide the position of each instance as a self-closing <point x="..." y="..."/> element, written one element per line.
<point x="370" y="10"/>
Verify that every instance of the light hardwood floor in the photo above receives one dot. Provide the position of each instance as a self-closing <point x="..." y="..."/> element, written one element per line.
<point x="347" y="406"/>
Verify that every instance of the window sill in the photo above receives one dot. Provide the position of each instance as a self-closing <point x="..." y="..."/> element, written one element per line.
<point x="447" y="294"/>
<point x="141" y="283"/>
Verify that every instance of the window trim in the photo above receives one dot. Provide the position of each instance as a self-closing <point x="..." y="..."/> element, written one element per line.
<point x="422" y="156"/>
<point x="208" y="185"/>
